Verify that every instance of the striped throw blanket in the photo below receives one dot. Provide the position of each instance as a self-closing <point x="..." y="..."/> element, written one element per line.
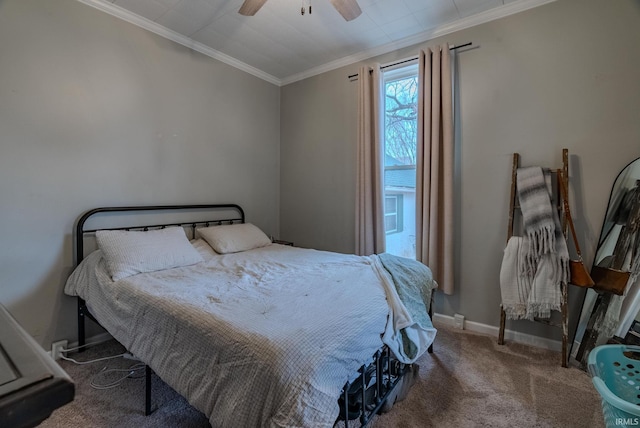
<point x="537" y="215"/>
<point x="535" y="264"/>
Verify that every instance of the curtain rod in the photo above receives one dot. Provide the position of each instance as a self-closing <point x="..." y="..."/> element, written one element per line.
<point x="410" y="59"/>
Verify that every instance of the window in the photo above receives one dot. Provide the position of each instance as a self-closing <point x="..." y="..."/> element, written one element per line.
<point x="400" y="136"/>
<point x="393" y="213"/>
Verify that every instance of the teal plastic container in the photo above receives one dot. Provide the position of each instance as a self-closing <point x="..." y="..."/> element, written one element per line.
<point x="615" y="372"/>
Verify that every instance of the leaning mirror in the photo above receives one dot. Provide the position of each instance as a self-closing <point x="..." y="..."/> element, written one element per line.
<point x="606" y="316"/>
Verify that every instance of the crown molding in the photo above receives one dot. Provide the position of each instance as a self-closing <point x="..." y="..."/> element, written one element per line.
<point x="461" y="24"/>
<point x="458" y="25"/>
<point x="160" y="30"/>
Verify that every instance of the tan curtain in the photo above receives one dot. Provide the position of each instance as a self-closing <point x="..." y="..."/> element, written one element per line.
<point x="369" y="187"/>
<point x="434" y="186"/>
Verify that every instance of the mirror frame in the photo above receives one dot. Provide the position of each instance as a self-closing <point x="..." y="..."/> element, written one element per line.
<point x="600" y="298"/>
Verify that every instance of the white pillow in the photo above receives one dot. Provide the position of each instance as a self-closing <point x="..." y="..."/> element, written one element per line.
<point x="232" y="238"/>
<point x="204" y="249"/>
<point x="130" y="252"/>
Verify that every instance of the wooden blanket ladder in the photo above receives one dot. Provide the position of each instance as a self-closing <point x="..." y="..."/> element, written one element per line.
<point x="558" y="174"/>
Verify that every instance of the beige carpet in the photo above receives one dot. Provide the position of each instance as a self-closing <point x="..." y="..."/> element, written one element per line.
<point x="469" y="381"/>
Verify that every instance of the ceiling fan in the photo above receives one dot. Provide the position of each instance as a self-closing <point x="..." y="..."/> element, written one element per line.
<point x="349" y="9"/>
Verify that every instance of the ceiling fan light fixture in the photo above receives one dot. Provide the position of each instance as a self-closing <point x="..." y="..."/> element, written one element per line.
<point x="349" y="9"/>
<point x="303" y="8"/>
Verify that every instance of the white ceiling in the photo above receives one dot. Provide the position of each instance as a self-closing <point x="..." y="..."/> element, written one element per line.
<point x="281" y="46"/>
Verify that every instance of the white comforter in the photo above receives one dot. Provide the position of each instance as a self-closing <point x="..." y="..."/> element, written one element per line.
<point x="266" y="337"/>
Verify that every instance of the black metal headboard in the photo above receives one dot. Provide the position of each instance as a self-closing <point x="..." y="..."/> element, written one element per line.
<point x="81" y="232"/>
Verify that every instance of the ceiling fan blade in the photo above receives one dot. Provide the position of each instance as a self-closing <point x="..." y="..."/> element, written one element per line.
<point x="349" y="9"/>
<point x="250" y="7"/>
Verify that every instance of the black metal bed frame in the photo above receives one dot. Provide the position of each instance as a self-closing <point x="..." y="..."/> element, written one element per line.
<point x="359" y="399"/>
<point x="370" y="397"/>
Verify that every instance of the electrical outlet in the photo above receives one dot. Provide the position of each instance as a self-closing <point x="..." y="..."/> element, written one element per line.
<point x="459" y="321"/>
<point x="56" y="349"/>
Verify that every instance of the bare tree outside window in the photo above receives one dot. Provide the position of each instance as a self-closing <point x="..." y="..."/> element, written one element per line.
<point x="401" y="111"/>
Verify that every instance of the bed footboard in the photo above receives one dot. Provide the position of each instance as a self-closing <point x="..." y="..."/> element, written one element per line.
<point x="378" y="385"/>
<point x="376" y="388"/>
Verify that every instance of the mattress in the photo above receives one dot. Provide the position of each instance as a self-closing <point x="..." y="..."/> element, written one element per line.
<point x="266" y="337"/>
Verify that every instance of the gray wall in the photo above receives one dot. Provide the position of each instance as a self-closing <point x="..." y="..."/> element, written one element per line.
<point x="95" y="111"/>
<point x="560" y="75"/>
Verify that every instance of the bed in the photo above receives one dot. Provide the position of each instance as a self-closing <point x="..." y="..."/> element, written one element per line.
<point x="251" y="332"/>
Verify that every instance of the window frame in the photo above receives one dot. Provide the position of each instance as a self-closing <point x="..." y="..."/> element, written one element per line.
<point x="389" y="75"/>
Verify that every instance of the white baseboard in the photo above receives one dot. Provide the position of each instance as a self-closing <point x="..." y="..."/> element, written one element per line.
<point x="509" y="335"/>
